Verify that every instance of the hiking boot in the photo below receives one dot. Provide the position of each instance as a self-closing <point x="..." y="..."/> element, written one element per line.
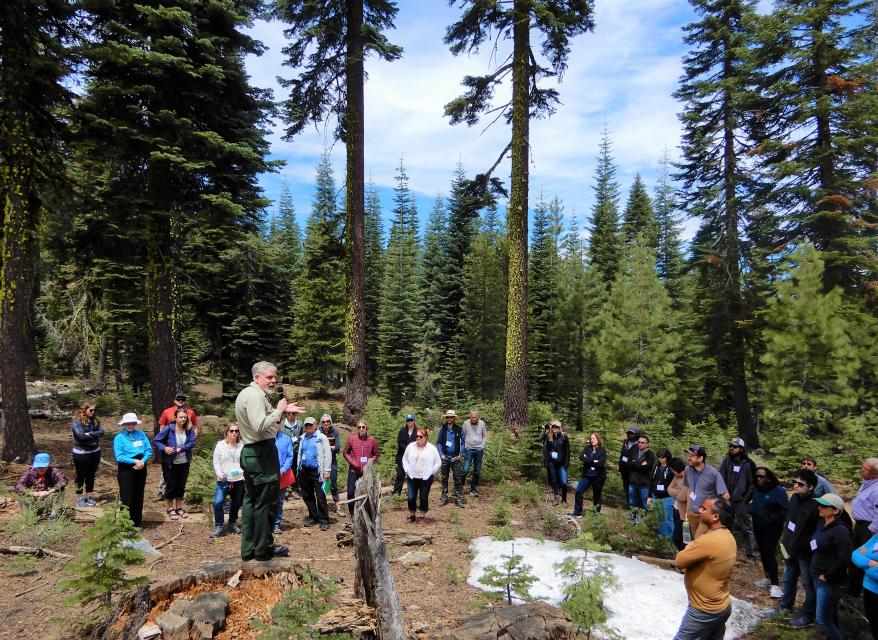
<point x="474" y="493"/>
<point x="324" y="526"/>
<point x="276" y="530"/>
<point x="443" y="501"/>
<point x="765" y="582"/>
<point x="233" y="528"/>
<point x="801" y="622"/>
<point x="459" y="503"/>
<point x="217" y="532"/>
<point x="82" y="503"/>
<point x="776" y="591"/>
<point x="573" y="514"/>
<point x="90" y="502"/>
<point x="309" y="522"/>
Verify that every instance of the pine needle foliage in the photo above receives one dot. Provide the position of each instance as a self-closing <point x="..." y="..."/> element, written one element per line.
<point x="99" y="570"/>
<point x="513" y="576"/>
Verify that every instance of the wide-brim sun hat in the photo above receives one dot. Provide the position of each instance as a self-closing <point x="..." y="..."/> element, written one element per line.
<point x="129" y="418"/>
<point x="450" y="414"/>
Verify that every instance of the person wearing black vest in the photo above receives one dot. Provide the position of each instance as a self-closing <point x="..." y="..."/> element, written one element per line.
<point x="640" y="464"/>
<point x="449" y="443"/>
<point x="556" y="458"/>
<point x="739" y="473"/>
<point x="629" y="447"/>
<point x="406" y="435"/>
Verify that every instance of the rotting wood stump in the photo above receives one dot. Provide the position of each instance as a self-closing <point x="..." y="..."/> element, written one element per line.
<point x="373" y="579"/>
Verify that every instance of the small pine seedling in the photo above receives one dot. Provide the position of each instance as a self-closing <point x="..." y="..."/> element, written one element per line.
<point x="513" y="576"/>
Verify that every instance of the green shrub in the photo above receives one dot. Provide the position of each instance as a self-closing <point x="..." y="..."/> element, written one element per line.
<point x="501" y="512"/>
<point x="462" y="534"/>
<point x="453" y="516"/>
<point x="503" y="534"/>
<point x="452" y="575"/>
<point x="71" y="398"/>
<point x="201" y="485"/>
<point x="31" y="528"/>
<point x="550" y="523"/>
<point x="300" y="609"/>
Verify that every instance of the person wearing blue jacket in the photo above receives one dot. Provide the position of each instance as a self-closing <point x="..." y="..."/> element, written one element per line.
<point x="175" y="443"/>
<point x="285" y="457"/>
<point x="865" y="559"/>
<point x="768" y="508"/>
<point x="132" y="450"/>
<point x="450" y="443"/>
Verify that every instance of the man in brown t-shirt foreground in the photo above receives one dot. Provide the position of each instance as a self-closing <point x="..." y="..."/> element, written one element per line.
<point x="708" y="562"/>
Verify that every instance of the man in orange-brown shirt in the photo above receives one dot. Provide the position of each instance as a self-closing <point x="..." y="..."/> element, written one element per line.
<point x="708" y="562"/>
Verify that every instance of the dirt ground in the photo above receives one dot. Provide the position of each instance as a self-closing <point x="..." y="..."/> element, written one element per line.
<point x="435" y="595"/>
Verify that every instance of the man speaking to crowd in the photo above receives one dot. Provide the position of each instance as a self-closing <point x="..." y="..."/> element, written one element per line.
<point x="258" y="423"/>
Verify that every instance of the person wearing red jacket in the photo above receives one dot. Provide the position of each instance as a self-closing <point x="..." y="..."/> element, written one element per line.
<point x="360" y="450"/>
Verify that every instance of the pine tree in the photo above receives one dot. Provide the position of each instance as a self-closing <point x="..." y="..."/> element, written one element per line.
<point x="638" y="347"/>
<point x="514" y="577"/>
<point x="670" y="262"/>
<point x="374" y="279"/>
<point x="713" y="90"/>
<point x="330" y="42"/>
<point x="431" y="276"/>
<point x="319" y="332"/>
<point x="399" y="317"/>
<point x="99" y="570"/>
<point x="543" y="300"/>
<point x="605" y="243"/>
<point x="285" y="236"/>
<point x="817" y="83"/>
<point x="33" y="65"/>
<point x="558" y="23"/>
<point x="810" y="359"/>
<point x="639" y="216"/>
<point x="483" y="311"/>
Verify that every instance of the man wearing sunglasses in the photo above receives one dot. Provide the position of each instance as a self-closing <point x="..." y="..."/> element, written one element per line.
<point x="801" y="522"/>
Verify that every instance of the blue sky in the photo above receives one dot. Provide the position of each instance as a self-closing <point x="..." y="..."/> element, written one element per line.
<point x="622" y="74"/>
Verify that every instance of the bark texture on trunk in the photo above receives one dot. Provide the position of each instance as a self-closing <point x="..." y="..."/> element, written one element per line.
<point x="515" y="391"/>
<point x="355" y="226"/>
<point x="373" y="579"/>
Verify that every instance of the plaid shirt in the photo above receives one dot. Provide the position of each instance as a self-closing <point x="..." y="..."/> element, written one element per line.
<point x="30" y="480"/>
<point x="358" y="448"/>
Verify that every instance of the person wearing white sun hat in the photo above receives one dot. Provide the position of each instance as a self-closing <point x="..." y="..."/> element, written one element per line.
<point x="132" y="450"/>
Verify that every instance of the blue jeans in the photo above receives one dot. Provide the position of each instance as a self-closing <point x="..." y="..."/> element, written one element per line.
<point x="700" y="625"/>
<point x="827" y="608"/>
<point x="795" y="568"/>
<point x="472" y="457"/>
<point x="557" y="475"/>
<point x="666" y="524"/>
<point x="637" y="496"/>
<point x="236" y="489"/>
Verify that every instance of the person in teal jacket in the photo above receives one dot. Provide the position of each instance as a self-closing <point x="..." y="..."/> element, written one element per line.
<point x="132" y="450"/>
<point x="866" y="559"/>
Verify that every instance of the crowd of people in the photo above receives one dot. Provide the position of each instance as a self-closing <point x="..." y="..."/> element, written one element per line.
<point x="267" y="456"/>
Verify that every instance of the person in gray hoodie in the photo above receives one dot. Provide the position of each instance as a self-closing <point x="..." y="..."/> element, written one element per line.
<point x="475" y="437"/>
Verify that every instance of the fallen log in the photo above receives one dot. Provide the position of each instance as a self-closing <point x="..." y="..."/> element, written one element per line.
<point x="664" y="563"/>
<point x="35" y="551"/>
<point x="350" y="615"/>
<point x="404" y="538"/>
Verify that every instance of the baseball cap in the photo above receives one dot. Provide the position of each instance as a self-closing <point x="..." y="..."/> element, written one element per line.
<point x="633" y="430"/>
<point x="831" y="500"/>
<point x="309" y="420"/>
<point x="180" y="396"/>
<point x="325" y="417"/>
<point x="41" y="460"/>
<point x="698" y="450"/>
<point x="450" y="414"/>
<point x="737" y="442"/>
<point x="409" y="417"/>
<point x="555" y="423"/>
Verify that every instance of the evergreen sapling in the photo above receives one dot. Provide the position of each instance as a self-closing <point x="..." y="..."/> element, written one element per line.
<point x="513" y="577"/>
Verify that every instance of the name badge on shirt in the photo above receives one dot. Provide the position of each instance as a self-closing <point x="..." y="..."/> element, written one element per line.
<point x="813" y="544"/>
<point x="737" y="468"/>
<point x="624" y="459"/>
<point x="692" y="496"/>
<point x="554" y="455"/>
<point x="791" y="526"/>
<point x="449" y="443"/>
<point x="875" y="549"/>
<point x="363" y="459"/>
<point x="137" y="443"/>
<point x="592" y="469"/>
<point x="659" y="487"/>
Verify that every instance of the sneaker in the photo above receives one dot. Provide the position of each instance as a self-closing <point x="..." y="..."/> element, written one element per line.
<point x="443" y="501"/>
<point x="90" y="502"/>
<point x="309" y="522"/>
<point x="776" y="591"/>
<point x="217" y="532"/>
<point x="801" y="622"/>
<point x="82" y="503"/>
<point x="276" y="530"/>
<point x="765" y="582"/>
<point x="324" y="526"/>
<point x="474" y="493"/>
<point x="233" y="528"/>
<point x="459" y="503"/>
<point x="573" y="514"/>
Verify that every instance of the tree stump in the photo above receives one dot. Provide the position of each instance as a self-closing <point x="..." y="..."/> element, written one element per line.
<point x="373" y="579"/>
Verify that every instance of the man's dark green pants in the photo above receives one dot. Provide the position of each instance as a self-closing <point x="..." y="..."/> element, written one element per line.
<point x="261" y="484"/>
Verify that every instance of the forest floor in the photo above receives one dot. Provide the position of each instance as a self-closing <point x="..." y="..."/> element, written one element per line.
<point x="434" y="597"/>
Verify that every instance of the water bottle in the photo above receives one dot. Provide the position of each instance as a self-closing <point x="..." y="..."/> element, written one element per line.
<point x="687" y="535"/>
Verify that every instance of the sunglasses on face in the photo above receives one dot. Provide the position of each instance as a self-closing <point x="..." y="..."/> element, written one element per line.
<point x="420" y="437"/>
<point x="233" y="431"/>
<point x="326" y="422"/>
<point x="642" y="442"/>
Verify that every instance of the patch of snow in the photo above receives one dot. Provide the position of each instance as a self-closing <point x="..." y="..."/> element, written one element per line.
<point x="647" y="604"/>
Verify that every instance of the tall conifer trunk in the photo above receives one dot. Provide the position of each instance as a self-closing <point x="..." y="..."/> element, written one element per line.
<point x="161" y="296"/>
<point x="355" y="245"/>
<point x="515" y="391"/>
<point x="20" y="212"/>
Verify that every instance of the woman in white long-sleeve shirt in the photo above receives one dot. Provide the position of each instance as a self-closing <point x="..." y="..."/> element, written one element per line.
<point x="229" y="480"/>
<point x="420" y="462"/>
